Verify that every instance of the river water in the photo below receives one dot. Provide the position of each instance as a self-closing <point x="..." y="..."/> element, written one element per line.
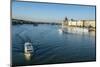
<point x="51" y="45"/>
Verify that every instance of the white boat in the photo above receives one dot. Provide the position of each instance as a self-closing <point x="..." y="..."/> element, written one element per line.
<point x="28" y="48"/>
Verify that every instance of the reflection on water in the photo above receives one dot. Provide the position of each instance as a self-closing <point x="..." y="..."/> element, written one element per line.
<point x="93" y="33"/>
<point x="52" y="44"/>
<point x="76" y="30"/>
<point x="28" y="56"/>
<point x="60" y="31"/>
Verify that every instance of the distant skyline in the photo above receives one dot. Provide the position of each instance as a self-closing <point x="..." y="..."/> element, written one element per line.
<point x="46" y="12"/>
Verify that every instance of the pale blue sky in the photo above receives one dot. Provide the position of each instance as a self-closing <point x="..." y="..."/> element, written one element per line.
<point x="51" y="12"/>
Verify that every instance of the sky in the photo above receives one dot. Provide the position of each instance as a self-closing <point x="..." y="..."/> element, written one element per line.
<point x="50" y="12"/>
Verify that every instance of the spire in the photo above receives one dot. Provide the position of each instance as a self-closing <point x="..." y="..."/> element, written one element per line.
<point x="66" y="19"/>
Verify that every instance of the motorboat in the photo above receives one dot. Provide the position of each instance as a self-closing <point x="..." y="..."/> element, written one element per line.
<point x="28" y="48"/>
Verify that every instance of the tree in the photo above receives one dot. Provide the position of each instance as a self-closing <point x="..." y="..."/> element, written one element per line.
<point x="72" y="19"/>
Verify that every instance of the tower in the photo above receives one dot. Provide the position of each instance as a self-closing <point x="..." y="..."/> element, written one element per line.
<point x="66" y="21"/>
